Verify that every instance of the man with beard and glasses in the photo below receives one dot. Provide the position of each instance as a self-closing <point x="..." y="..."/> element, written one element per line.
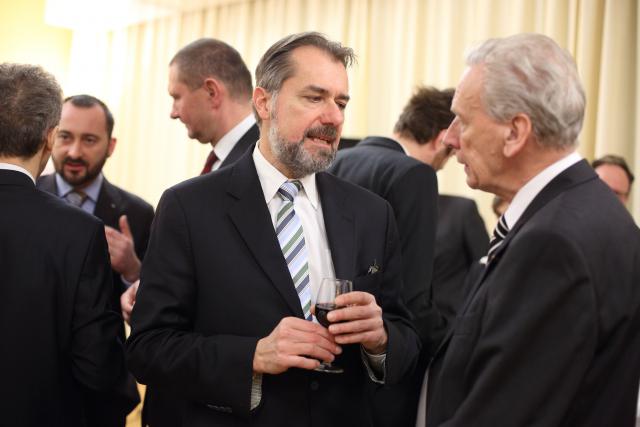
<point x="224" y="313"/>
<point x="82" y="145"/>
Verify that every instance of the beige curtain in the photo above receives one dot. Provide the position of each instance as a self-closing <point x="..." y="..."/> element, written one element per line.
<point x="400" y="44"/>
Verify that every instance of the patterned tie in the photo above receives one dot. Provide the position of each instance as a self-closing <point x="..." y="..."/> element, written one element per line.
<point x="76" y="198"/>
<point x="211" y="159"/>
<point x="499" y="233"/>
<point x="291" y="239"/>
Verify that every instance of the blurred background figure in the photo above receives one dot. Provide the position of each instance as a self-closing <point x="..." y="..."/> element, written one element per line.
<point x="615" y="172"/>
<point x="499" y="206"/>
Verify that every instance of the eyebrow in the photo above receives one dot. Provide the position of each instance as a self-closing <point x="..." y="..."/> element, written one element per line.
<point x="322" y="91"/>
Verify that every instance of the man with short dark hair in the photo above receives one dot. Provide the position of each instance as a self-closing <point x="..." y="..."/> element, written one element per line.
<point x="615" y="172"/>
<point x="83" y="143"/>
<point x="402" y="169"/>
<point x="211" y="90"/>
<point x="550" y="332"/>
<point x="224" y="311"/>
<point x="61" y="336"/>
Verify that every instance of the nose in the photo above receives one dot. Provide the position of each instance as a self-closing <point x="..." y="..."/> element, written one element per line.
<point x="75" y="149"/>
<point x="451" y="138"/>
<point x="174" y="111"/>
<point x="332" y="114"/>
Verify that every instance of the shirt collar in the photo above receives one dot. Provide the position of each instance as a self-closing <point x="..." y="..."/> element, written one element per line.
<point x="271" y="179"/>
<point x="12" y="167"/>
<point x="531" y="189"/>
<point x="224" y="146"/>
<point x="92" y="190"/>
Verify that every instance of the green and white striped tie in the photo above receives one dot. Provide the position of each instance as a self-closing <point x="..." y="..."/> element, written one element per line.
<point x="291" y="239"/>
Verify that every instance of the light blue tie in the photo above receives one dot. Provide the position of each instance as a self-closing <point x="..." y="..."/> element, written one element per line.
<point x="291" y="239"/>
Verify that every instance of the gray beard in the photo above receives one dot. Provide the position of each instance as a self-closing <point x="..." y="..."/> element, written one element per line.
<point x="295" y="158"/>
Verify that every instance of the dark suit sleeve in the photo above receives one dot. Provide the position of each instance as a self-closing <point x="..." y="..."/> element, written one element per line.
<point x="163" y="349"/>
<point x="414" y="197"/>
<point x="475" y="233"/>
<point x="529" y="351"/>
<point x="96" y="350"/>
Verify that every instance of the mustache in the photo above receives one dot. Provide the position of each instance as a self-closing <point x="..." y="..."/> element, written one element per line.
<point x="74" y="162"/>
<point x="323" y="132"/>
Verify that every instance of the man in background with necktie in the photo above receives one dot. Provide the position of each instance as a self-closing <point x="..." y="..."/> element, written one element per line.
<point x="82" y="145"/>
<point x="236" y="257"/>
<point x="211" y="90"/>
<point x="550" y="332"/>
<point x="61" y="335"/>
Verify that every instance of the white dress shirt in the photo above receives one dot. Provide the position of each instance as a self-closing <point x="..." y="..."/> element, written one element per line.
<point x="224" y="146"/>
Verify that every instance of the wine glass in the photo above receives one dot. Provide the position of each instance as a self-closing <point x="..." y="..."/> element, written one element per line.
<point x="326" y="302"/>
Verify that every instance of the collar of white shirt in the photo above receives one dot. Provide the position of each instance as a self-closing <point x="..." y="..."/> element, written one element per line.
<point x="224" y="146"/>
<point x="12" y="167"/>
<point x="271" y="179"/>
<point x="530" y="190"/>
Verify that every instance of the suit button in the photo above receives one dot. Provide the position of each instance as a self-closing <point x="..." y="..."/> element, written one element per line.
<point x="314" y="385"/>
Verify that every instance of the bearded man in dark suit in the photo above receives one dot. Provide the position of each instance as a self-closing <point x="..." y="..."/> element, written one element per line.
<point x="223" y="315"/>
<point x="83" y="143"/>
<point x="550" y="333"/>
<point x="61" y="337"/>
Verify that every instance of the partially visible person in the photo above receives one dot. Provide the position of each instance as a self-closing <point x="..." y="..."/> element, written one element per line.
<point x="401" y="169"/>
<point x="211" y="90"/>
<point x="550" y="333"/>
<point x="83" y="143"/>
<point x="223" y="314"/>
<point x="61" y="336"/>
<point x="615" y="172"/>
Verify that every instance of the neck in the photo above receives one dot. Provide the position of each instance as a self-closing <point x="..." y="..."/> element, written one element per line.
<point x="230" y="117"/>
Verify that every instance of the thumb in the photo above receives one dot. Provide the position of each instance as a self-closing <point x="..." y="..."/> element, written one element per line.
<point x="124" y="226"/>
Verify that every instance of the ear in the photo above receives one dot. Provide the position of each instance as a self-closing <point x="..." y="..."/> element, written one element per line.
<point x="262" y="102"/>
<point x="111" y="147"/>
<point x="215" y="90"/>
<point x="51" y="139"/>
<point x="438" y="141"/>
<point x="517" y="133"/>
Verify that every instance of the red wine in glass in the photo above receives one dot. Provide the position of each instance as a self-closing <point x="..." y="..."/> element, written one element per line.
<point x="325" y="303"/>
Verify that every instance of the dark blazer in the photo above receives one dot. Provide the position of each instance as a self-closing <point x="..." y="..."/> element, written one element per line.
<point x="550" y="335"/>
<point x="411" y="188"/>
<point x="247" y="140"/>
<point x="214" y="282"/>
<point x="461" y="240"/>
<point x="161" y="407"/>
<point x="60" y="335"/>
<point x="111" y="409"/>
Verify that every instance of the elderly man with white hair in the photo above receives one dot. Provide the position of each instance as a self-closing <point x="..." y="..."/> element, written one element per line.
<point x="550" y="333"/>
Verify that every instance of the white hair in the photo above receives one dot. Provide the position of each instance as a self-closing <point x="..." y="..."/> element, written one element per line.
<point x="531" y="74"/>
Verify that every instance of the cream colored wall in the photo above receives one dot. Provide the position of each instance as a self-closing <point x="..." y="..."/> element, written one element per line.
<point x="25" y="38"/>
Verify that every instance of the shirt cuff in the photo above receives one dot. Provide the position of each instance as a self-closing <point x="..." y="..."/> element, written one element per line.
<point x="376" y="365"/>
<point x="126" y="282"/>
<point x="256" y="390"/>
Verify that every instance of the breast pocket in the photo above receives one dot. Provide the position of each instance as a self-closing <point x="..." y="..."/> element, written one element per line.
<point x="367" y="283"/>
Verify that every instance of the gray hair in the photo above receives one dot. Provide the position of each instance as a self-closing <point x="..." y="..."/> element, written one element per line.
<point x="276" y="66"/>
<point x="30" y="106"/>
<point x="531" y="74"/>
<point x="209" y="57"/>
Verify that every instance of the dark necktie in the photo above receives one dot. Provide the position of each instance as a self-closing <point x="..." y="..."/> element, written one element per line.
<point x="499" y="233"/>
<point x="211" y="159"/>
<point x="76" y="198"/>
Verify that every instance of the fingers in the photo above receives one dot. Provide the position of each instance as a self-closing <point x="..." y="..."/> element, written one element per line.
<point x="127" y="300"/>
<point x="124" y="226"/>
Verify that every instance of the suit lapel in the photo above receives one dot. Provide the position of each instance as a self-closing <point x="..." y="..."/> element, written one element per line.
<point x="338" y="221"/>
<point x="251" y="218"/>
<point x="109" y="205"/>
<point x="248" y="139"/>
<point x="570" y="177"/>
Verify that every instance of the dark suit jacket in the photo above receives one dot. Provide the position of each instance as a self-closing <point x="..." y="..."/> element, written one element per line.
<point x="111" y="409"/>
<point x="411" y="188"/>
<point x="60" y="335"/>
<point x="214" y="282"/>
<point x="162" y="408"/>
<point x="461" y="240"/>
<point x="550" y="335"/>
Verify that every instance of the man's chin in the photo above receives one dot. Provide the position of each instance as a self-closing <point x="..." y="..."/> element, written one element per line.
<point x="75" y="180"/>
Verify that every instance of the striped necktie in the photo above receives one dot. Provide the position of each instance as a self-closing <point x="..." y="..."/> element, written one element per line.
<point x="291" y="239"/>
<point x="76" y="198"/>
<point x="499" y="233"/>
